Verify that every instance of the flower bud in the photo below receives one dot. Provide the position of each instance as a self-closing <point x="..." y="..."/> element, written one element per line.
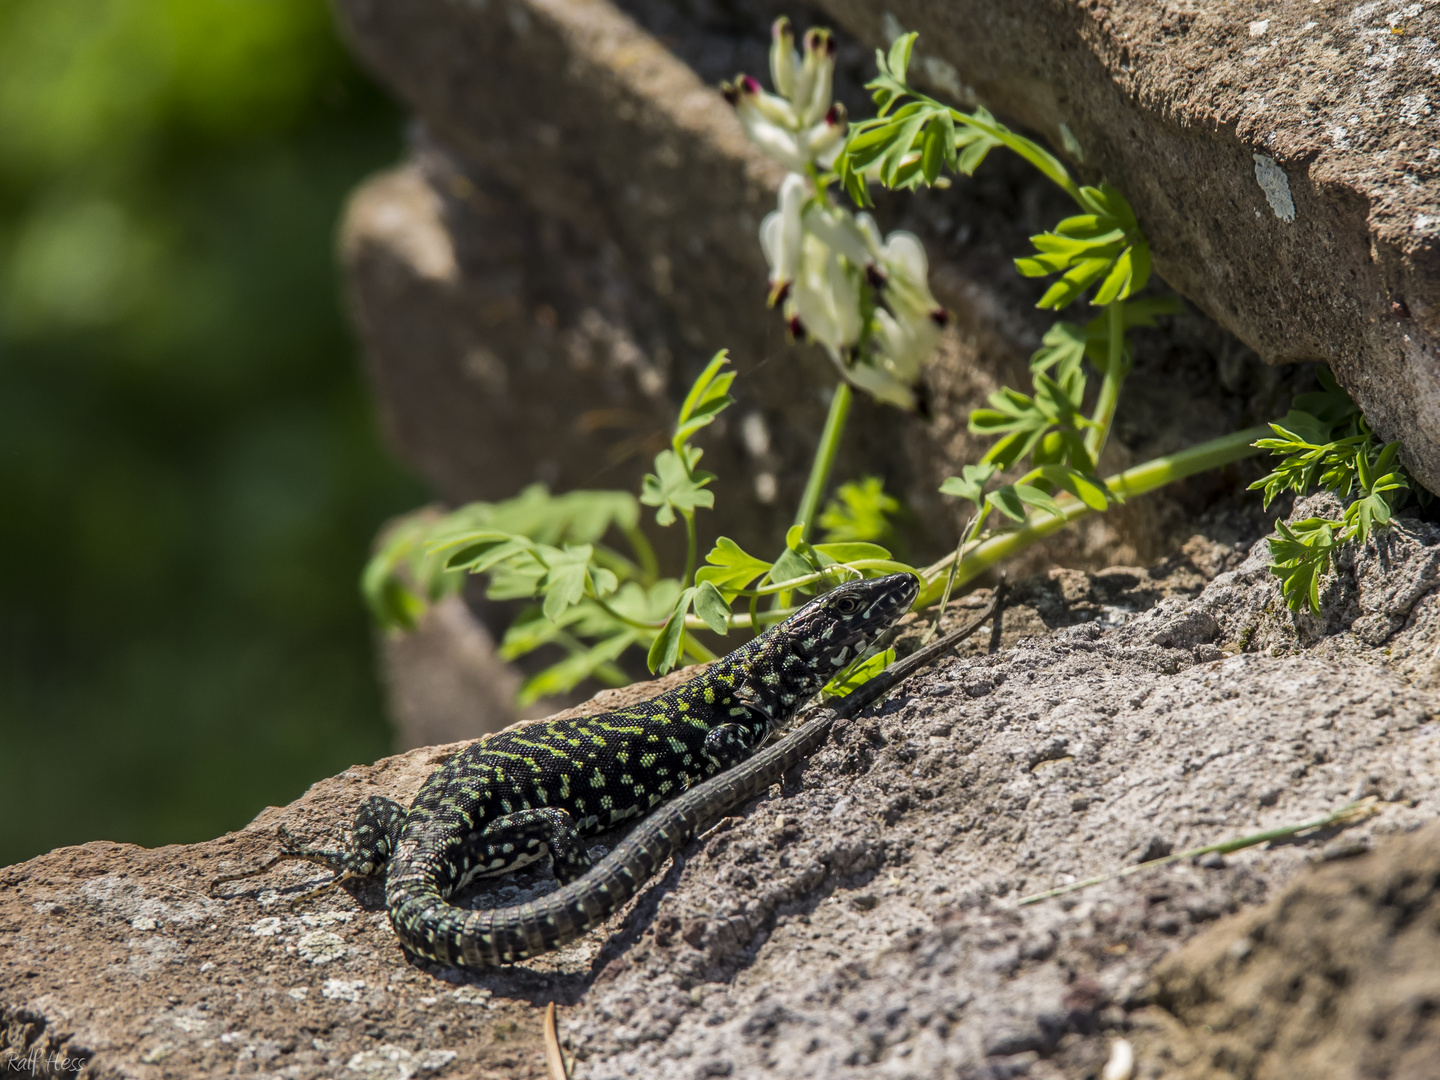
<point x="783" y="60"/>
<point x="776" y="109"/>
<point x="772" y="139"/>
<point x="817" y="72"/>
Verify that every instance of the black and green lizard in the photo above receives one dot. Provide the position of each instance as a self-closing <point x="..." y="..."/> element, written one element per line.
<point x="522" y="794"/>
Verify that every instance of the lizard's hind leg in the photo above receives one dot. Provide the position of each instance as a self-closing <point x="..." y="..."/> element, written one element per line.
<point x="372" y="839"/>
<point x="515" y="840"/>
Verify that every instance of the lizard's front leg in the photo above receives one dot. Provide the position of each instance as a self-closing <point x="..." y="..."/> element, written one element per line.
<point x="727" y="745"/>
<point x="373" y="837"/>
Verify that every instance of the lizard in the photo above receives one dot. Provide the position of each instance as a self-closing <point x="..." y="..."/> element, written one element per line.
<point x="532" y="791"/>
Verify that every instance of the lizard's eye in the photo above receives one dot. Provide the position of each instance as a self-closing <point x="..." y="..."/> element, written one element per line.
<point x="847" y="605"/>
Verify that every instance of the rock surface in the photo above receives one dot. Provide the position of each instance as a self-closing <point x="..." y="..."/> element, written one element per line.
<point x="537" y="288"/>
<point x="1283" y="157"/>
<point x="870" y="925"/>
<point x="1322" y="982"/>
<point x="863" y="918"/>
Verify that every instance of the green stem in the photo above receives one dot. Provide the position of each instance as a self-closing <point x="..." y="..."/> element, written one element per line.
<point x="761" y="618"/>
<point x="1104" y="415"/>
<point x="690" y="546"/>
<point x="640" y="543"/>
<point x="626" y="619"/>
<point x="828" y="574"/>
<point x="824" y="458"/>
<point x="1033" y="152"/>
<point x="1137" y="481"/>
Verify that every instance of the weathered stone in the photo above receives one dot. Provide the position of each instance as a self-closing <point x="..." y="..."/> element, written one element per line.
<point x="1061" y="757"/>
<point x="1283" y="157"/>
<point x="862" y="916"/>
<point x="1337" y="977"/>
<point x="613" y="205"/>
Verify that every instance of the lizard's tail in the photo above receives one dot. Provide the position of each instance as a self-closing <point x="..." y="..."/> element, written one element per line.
<point x="429" y="925"/>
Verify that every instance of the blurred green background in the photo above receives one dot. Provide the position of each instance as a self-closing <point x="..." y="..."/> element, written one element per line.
<point x="190" y="472"/>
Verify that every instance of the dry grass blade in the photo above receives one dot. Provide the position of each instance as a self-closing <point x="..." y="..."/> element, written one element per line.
<point x="554" y="1059"/>
<point x="1345" y="816"/>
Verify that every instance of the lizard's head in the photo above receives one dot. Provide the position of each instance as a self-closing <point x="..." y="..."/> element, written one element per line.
<point x="833" y="629"/>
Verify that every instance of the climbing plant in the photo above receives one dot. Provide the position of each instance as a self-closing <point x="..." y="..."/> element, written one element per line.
<point x="583" y="559"/>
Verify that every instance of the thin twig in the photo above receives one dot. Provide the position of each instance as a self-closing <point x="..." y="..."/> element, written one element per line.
<point x="1346" y="815"/>
<point x="554" y="1059"/>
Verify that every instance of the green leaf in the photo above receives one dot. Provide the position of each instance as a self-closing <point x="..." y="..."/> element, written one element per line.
<point x="1105" y="245"/>
<point x="904" y="139"/>
<point x="1041" y="500"/>
<point x="851" y="551"/>
<point x="708" y="397"/>
<point x="1081" y="274"/>
<point x="974" y="154"/>
<point x="789" y="567"/>
<point x="1063" y="347"/>
<point x="898" y="62"/>
<point x="730" y="568"/>
<point x="665" y="649"/>
<point x="712" y="607"/>
<point x="858" y="673"/>
<point x="674" y="488"/>
<point x="852" y="181"/>
<point x="937" y="145"/>
<point x="1007" y="500"/>
<point x="1116" y="285"/>
<point x="516" y="581"/>
<point x="1139" y="268"/>
<point x="796" y="561"/>
<point x="566" y="574"/>
<point x="1090" y="490"/>
<point x="486" y="551"/>
<point x="1299" y="556"/>
<point x="971" y="484"/>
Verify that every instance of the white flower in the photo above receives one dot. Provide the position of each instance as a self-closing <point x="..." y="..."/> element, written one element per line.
<point x="823" y="141"/>
<point x="839" y="230"/>
<point x="824" y="261"/>
<point x="827" y="297"/>
<point x="755" y="110"/>
<point x="907" y="271"/>
<point x="904" y="344"/>
<point x="781" y="234"/>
